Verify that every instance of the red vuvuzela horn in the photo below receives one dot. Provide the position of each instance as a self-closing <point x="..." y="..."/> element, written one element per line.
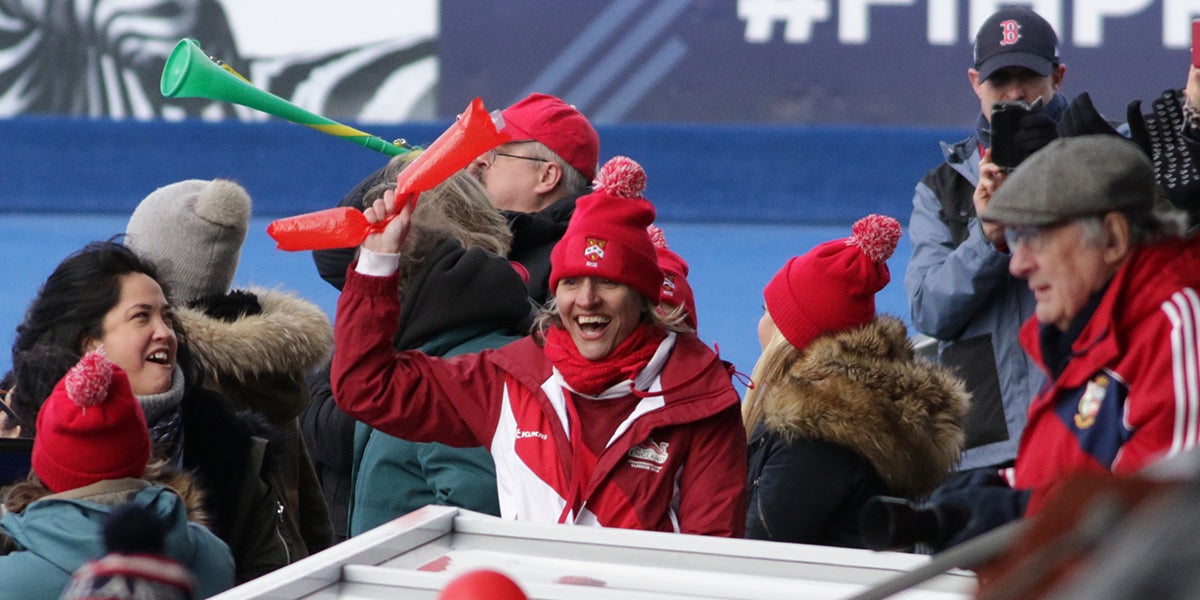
<point x="472" y="134"/>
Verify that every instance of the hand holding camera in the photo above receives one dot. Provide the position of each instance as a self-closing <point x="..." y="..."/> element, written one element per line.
<point x="991" y="177"/>
<point x="1018" y="130"/>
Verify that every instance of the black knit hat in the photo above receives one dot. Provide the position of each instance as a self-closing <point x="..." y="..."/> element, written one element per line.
<point x="134" y="566"/>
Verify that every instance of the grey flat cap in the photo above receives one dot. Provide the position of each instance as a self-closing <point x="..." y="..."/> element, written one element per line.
<point x="1075" y="177"/>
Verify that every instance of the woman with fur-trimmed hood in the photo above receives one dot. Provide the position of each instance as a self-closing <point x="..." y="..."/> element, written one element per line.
<point x="841" y="411"/>
<point x="254" y="346"/>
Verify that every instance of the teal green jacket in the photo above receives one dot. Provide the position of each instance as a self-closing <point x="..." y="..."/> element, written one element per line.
<point x="57" y="534"/>
<point x="393" y="477"/>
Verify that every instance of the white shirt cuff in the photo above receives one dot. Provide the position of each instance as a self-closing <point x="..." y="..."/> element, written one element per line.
<point x="377" y="264"/>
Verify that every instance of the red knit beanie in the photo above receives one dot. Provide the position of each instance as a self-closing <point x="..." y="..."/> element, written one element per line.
<point x="558" y="126"/>
<point x="91" y="428"/>
<point x="675" y="288"/>
<point x="607" y="236"/>
<point x="832" y="287"/>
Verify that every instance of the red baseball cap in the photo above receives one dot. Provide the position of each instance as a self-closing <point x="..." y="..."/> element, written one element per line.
<point x="557" y="125"/>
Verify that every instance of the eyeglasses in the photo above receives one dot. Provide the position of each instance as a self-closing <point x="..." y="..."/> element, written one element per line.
<point x="490" y="158"/>
<point x="1033" y="236"/>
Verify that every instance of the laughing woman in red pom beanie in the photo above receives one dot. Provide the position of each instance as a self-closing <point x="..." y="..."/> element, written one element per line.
<point x="610" y="414"/>
<point x="841" y="410"/>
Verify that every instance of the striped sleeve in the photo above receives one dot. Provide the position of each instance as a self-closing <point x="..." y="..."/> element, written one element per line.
<point x="1183" y="312"/>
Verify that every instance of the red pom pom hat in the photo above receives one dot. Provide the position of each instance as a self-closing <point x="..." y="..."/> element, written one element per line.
<point x="91" y="428"/>
<point x="607" y="236"/>
<point x="676" y="291"/>
<point x="832" y="287"/>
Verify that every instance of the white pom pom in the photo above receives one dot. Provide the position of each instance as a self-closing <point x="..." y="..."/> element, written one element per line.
<point x="621" y="176"/>
<point x="87" y="382"/>
<point x="877" y="236"/>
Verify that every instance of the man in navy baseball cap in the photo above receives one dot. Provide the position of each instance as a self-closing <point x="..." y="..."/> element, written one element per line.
<point x="1016" y="37"/>
<point x="957" y="281"/>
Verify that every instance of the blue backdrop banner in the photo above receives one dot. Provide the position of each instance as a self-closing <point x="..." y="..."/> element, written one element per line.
<point x="790" y="61"/>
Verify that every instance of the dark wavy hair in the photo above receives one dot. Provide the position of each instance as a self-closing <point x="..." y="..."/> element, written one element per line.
<point x="68" y="310"/>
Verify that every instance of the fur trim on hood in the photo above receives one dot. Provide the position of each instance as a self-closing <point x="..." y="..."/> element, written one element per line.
<point x="864" y="390"/>
<point x="288" y="334"/>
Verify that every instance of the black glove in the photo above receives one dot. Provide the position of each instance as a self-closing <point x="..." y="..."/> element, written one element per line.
<point x="1035" y="131"/>
<point x="983" y="495"/>
<point x="1170" y="144"/>
<point x="1082" y="118"/>
<point x="1031" y="132"/>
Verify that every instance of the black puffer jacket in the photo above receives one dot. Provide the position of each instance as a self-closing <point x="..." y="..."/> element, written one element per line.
<point x="233" y="456"/>
<point x="254" y="347"/>
<point x="856" y="416"/>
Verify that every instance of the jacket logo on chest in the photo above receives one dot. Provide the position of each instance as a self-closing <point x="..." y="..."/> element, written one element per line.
<point x="1090" y="401"/>
<point x="650" y="455"/>
<point x="522" y="434"/>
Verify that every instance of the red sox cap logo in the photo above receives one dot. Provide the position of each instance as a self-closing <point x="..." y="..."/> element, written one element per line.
<point x="1010" y="32"/>
<point x="594" y="250"/>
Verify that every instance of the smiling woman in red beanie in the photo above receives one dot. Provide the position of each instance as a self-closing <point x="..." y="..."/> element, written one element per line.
<point x="605" y="416"/>
<point x="841" y="410"/>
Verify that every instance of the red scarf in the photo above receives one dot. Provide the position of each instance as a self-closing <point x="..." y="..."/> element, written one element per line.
<point x="591" y="377"/>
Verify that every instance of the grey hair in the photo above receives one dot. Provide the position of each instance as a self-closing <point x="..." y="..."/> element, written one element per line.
<point x="573" y="182"/>
<point x="1160" y="224"/>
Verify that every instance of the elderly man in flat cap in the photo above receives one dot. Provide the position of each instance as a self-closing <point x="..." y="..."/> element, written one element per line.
<point x="1116" y="326"/>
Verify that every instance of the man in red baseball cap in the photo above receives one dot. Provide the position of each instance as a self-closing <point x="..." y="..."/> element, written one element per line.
<point x="536" y="177"/>
<point x="553" y="138"/>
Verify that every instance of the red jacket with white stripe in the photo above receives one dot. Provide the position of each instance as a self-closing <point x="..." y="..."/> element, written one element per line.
<point x="678" y="463"/>
<point x="1130" y="393"/>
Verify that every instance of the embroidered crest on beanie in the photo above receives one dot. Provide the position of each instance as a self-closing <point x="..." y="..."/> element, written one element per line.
<point x="91" y="428"/>
<point x="832" y="287"/>
<point x="607" y="236"/>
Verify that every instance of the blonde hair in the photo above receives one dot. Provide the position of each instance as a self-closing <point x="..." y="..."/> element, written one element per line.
<point x="772" y="366"/>
<point x="457" y="208"/>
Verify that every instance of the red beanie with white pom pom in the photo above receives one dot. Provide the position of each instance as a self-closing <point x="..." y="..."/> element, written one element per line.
<point x="607" y="236"/>
<point x="832" y="287"/>
<point x="91" y="428"/>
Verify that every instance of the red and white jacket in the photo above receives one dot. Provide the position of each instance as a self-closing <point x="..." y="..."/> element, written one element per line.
<point x="1130" y="394"/>
<point x="677" y="463"/>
